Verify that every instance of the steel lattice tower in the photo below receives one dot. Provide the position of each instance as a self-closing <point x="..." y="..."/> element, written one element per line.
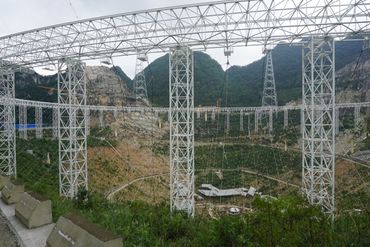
<point x="87" y="119"/>
<point x="38" y="121"/>
<point x="23" y="122"/>
<point x="286" y="118"/>
<point x="269" y="97"/>
<point x="140" y="80"/>
<point x="318" y="114"/>
<point x="7" y="124"/>
<point x="181" y="130"/>
<point x="55" y="123"/>
<point x="357" y="119"/>
<point x="72" y="127"/>
<point x="101" y="119"/>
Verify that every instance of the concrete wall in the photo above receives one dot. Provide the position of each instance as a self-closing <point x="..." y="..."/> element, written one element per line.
<point x="11" y="193"/>
<point x="72" y="230"/>
<point x="33" y="210"/>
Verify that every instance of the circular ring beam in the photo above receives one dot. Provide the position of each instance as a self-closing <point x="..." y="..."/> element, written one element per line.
<point x="201" y="26"/>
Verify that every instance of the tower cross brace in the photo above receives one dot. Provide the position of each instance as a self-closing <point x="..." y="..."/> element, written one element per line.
<point x="318" y="126"/>
<point x="181" y="115"/>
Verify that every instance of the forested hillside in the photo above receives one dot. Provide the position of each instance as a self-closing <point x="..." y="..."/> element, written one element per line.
<point x="239" y="86"/>
<point x="244" y="84"/>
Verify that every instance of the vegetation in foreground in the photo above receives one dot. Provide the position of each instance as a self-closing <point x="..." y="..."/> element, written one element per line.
<point x="287" y="221"/>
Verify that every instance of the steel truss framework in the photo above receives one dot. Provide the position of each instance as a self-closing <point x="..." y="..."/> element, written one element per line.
<point x="318" y="111"/>
<point x="269" y="89"/>
<point x="39" y="124"/>
<point x="23" y="122"/>
<point x="55" y="122"/>
<point x="200" y="26"/>
<point x="87" y="122"/>
<point x="210" y="109"/>
<point x="72" y="127"/>
<point x="7" y="124"/>
<point x="182" y="130"/>
<point x="227" y="123"/>
<point x="101" y="118"/>
<point x="357" y="119"/>
<point x="286" y="118"/>
<point x="241" y="122"/>
<point x="140" y="91"/>
<point x="218" y="24"/>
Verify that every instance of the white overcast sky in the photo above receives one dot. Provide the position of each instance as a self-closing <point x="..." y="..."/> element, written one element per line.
<point x="21" y="15"/>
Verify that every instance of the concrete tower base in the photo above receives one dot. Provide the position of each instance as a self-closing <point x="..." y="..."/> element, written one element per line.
<point x="33" y="210"/>
<point x="73" y="230"/>
<point x="12" y="192"/>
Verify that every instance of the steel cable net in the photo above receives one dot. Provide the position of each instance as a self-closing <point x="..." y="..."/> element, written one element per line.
<point x="232" y="170"/>
<point x="234" y="23"/>
<point x="111" y="169"/>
